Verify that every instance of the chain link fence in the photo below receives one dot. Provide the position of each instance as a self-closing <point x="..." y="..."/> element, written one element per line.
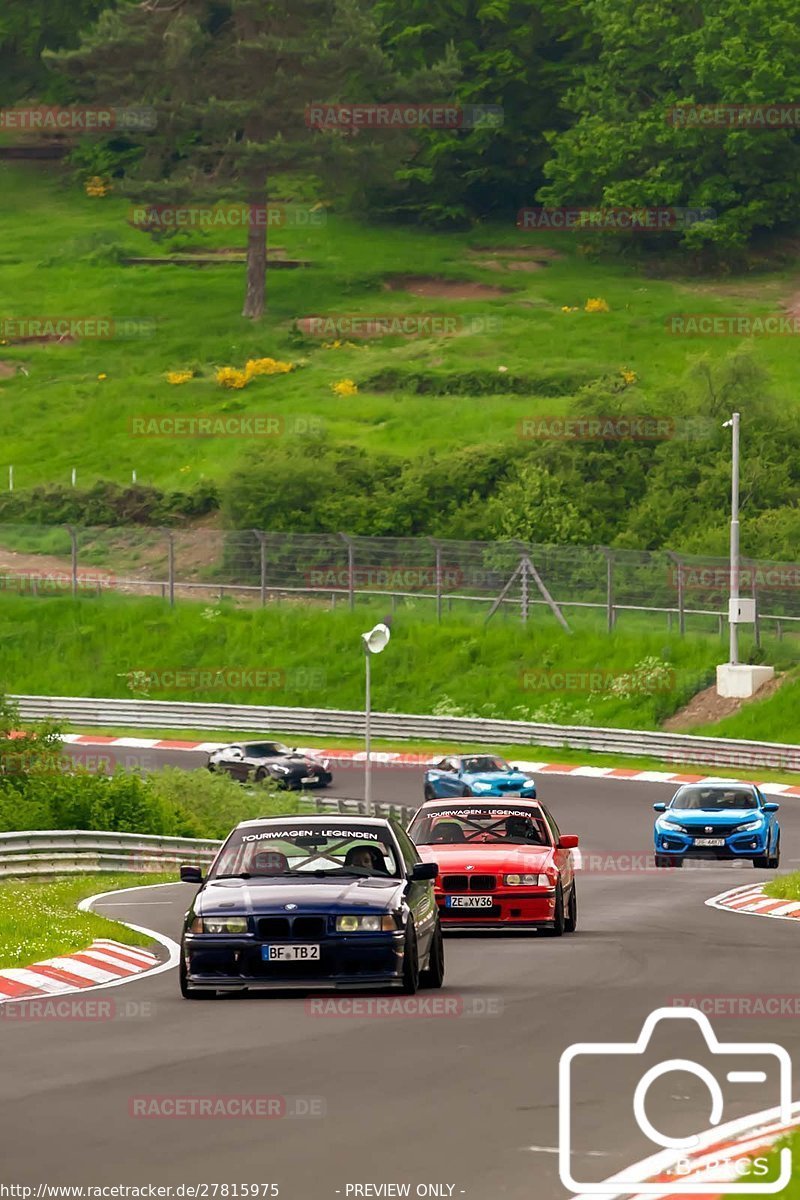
<point x="442" y="576"/>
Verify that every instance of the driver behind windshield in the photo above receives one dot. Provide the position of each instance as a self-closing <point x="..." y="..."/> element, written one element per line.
<point x="367" y="857"/>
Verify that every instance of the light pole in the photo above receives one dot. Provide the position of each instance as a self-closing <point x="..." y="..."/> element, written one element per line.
<point x="374" y="642"/>
<point x="733" y="425"/>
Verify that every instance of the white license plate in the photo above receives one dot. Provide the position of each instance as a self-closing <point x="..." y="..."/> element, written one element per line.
<point x="309" y="779"/>
<point x="469" y="901"/>
<point x="289" y="953"/>
<point x="709" y="841"/>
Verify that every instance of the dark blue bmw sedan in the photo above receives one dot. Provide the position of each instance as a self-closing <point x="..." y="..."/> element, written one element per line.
<point x="312" y="902"/>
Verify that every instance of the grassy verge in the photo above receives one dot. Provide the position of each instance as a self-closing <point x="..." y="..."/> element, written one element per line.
<point x="302" y="656"/>
<point x="785" y="887"/>
<point x="792" y="1191"/>
<point x="41" y="919"/>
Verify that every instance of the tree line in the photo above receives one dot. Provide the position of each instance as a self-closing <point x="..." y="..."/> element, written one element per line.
<point x="598" y="102"/>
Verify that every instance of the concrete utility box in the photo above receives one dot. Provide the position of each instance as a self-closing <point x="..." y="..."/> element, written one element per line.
<point x="740" y="681"/>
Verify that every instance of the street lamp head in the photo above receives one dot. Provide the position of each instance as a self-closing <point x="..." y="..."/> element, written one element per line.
<point x="377" y="639"/>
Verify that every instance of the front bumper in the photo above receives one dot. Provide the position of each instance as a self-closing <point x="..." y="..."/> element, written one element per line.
<point x="510" y="908"/>
<point x="735" y="845"/>
<point x="223" y="963"/>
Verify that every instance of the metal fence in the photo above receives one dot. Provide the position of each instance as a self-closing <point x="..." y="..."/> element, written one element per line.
<point x="442" y="576"/>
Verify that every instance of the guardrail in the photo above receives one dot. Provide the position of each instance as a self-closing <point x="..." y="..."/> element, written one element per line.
<point x="166" y="714"/>
<point x="79" y="851"/>
<point x="85" y="851"/>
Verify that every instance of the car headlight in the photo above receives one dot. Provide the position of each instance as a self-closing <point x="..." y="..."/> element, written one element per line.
<point x="526" y="881"/>
<point x="219" y="925"/>
<point x="662" y="824"/>
<point x="480" y="786"/>
<point x="366" y="923"/>
<point x="282" y="770"/>
<point x="749" y="826"/>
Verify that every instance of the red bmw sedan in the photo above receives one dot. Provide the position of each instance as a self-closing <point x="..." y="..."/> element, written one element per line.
<point x="503" y="864"/>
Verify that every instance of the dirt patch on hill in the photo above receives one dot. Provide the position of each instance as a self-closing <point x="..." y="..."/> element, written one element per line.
<point x="510" y="264"/>
<point x="540" y="253"/>
<point x="706" y="707"/>
<point x="8" y="369"/>
<point x="430" y="286"/>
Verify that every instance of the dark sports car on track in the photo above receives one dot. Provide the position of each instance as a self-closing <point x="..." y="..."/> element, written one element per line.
<point x="270" y="760"/>
<point x="313" y="903"/>
<point x="503" y="864"/>
<point x="475" y="775"/>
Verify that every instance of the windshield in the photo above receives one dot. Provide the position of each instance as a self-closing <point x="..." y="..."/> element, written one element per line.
<point x="474" y="766"/>
<point x="284" y="848"/>
<point x="480" y="826"/>
<point x="265" y="749"/>
<point x="714" y="799"/>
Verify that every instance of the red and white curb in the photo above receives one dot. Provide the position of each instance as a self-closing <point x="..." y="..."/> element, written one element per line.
<point x="104" y="964"/>
<point x="398" y="758"/>
<point x="713" y="1169"/>
<point x="752" y="901"/>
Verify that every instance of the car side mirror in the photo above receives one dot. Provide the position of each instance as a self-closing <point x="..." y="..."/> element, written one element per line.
<point x="423" y="870"/>
<point x="191" y="874"/>
<point x="568" y="841"/>
<point x="660" y="807"/>
<point x="771" y="807"/>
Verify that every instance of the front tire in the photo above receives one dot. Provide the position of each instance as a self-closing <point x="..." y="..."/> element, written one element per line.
<point x="410" y="964"/>
<point x="668" y="860"/>
<point x="571" y="920"/>
<point x="428" y="792"/>
<point x="433" y="976"/>
<point x="559" y="920"/>
<point x="192" y="993"/>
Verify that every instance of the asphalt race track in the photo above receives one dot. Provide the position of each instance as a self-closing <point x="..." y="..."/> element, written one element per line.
<point x="467" y="1100"/>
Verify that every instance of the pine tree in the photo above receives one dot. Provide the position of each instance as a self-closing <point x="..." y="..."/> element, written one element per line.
<point x="231" y="81"/>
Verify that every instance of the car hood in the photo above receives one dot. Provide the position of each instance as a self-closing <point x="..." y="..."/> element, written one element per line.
<point x="494" y="777"/>
<point x="487" y="858"/>
<point x="694" y="817"/>
<point x="312" y="895"/>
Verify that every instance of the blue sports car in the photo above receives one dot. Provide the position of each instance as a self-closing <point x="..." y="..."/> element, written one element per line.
<point x="721" y="821"/>
<point x="475" y="775"/>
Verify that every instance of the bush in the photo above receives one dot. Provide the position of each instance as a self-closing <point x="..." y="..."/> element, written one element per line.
<point x="106" y="503"/>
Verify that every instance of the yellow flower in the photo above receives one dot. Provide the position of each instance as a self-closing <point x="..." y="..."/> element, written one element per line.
<point x="596" y="305"/>
<point x="102" y="377"/>
<point x="566" y="308"/>
<point x="628" y="375"/>
<point x="345" y="387"/>
<point x="267" y="366"/>
<point x="232" y="377"/>
<point x="97" y="186"/>
<point x="177" y="377"/>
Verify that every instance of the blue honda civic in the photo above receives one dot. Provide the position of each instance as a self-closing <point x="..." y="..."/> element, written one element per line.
<point x="722" y="821"/>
